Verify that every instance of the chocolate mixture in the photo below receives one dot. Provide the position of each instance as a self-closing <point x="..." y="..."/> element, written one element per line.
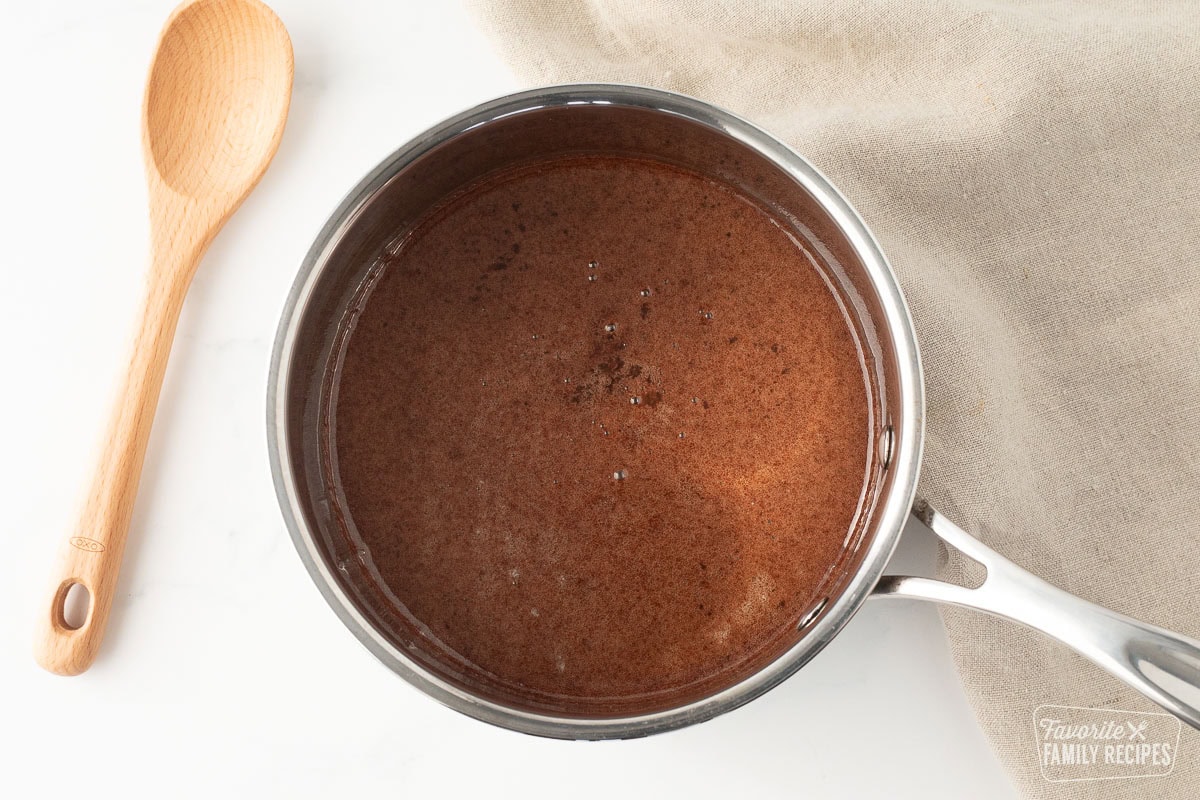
<point x="602" y="428"/>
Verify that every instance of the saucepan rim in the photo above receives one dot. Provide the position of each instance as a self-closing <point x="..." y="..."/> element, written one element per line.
<point x="907" y="416"/>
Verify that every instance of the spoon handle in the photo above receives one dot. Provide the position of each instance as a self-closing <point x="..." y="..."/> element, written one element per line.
<point x="91" y="556"/>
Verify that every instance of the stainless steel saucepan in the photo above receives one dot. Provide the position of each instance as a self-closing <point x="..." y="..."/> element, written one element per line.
<point x="645" y="123"/>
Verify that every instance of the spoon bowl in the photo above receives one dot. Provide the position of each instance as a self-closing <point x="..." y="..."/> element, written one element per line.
<point x="217" y="94"/>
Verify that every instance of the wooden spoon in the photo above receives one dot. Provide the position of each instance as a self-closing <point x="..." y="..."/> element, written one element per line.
<point x="216" y="102"/>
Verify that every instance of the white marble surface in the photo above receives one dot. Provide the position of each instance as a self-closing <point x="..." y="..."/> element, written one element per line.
<point x="223" y="670"/>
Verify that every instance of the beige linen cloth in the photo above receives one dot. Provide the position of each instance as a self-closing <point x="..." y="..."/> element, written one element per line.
<point x="1032" y="170"/>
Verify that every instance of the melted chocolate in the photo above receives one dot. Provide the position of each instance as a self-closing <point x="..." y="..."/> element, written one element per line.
<point x="601" y="428"/>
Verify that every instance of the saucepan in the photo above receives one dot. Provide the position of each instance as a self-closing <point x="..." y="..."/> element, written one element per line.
<point x="645" y="123"/>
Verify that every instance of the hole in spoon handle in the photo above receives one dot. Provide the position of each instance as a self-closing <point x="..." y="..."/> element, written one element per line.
<point x="72" y="610"/>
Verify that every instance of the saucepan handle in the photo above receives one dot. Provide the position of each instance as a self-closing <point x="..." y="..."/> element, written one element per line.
<point x="1162" y="665"/>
